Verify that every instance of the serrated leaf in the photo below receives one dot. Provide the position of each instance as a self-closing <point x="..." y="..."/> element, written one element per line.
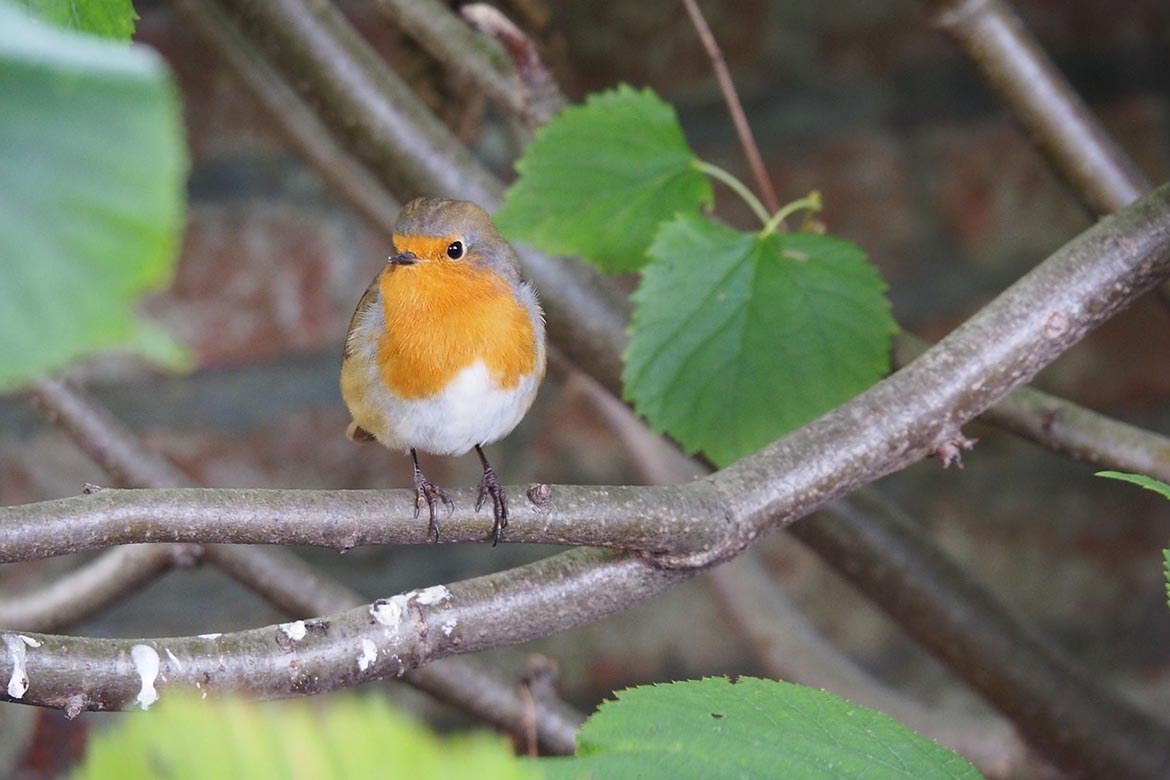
<point x="341" y="737"/>
<point x="93" y="164"/>
<point x="752" y="728"/>
<point x="737" y="339"/>
<point x="599" y="179"/>
<point x="1149" y="483"/>
<point x="107" y="18"/>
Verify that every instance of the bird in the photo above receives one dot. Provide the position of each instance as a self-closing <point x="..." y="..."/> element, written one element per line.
<point x="446" y="348"/>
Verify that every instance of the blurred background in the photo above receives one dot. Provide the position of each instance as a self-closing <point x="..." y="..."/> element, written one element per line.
<point x="918" y="165"/>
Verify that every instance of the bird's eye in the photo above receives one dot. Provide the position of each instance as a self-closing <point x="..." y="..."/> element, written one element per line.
<point x="455" y="250"/>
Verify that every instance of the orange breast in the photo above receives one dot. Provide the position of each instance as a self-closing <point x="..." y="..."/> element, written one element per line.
<point x="441" y="318"/>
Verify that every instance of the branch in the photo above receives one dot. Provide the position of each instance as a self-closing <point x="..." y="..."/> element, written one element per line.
<point x="359" y="645"/>
<point x="1075" y="143"/>
<point x="541" y="96"/>
<point x="281" y="577"/>
<point x="1064" y="427"/>
<point x="91" y="587"/>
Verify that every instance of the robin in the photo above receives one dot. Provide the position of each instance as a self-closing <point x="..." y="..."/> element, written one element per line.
<point x="446" y="348"/>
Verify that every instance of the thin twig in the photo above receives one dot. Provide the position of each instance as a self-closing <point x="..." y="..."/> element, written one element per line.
<point x="734" y="107"/>
<point x="542" y="95"/>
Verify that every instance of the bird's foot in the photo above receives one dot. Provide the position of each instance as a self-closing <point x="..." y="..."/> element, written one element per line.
<point x="490" y="486"/>
<point x="429" y="494"/>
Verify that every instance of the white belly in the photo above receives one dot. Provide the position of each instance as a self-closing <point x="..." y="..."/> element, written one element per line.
<point x="469" y="411"/>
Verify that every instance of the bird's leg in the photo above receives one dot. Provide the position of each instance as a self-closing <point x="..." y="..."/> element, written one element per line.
<point x="427" y="492"/>
<point x="488" y="486"/>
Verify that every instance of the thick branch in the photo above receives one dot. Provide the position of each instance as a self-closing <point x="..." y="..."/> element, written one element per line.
<point x="359" y="645"/>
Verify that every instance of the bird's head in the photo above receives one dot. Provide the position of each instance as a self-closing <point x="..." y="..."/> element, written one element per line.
<point x="451" y="236"/>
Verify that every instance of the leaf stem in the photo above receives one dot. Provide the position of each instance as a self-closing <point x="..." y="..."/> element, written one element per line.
<point x="715" y="172"/>
<point x="812" y="202"/>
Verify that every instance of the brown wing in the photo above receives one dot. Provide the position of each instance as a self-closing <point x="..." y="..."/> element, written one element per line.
<point x="369" y="297"/>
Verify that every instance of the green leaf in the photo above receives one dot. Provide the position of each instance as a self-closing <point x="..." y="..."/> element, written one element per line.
<point x="738" y="338"/>
<point x="748" y="729"/>
<point x="93" y="165"/>
<point x="1149" y="483"/>
<point x="108" y="18"/>
<point x="341" y="737"/>
<point x="599" y="179"/>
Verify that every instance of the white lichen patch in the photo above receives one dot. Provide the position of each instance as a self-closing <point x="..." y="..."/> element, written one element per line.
<point x="368" y="655"/>
<point x="145" y="660"/>
<point x="295" y="631"/>
<point x="436" y="594"/>
<point x="390" y="612"/>
<point x="17" y="645"/>
<point x="449" y="626"/>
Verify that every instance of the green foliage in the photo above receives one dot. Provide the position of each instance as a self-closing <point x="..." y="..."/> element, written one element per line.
<point x="762" y="335"/>
<point x="340" y="737"/>
<point x="1141" y="480"/>
<point x="599" y="178"/>
<point x="751" y="728"/>
<point x="1159" y="487"/>
<point x="107" y="18"/>
<point x="737" y="337"/>
<point x="93" y="164"/>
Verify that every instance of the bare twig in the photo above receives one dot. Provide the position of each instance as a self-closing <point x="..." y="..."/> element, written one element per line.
<point x="542" y="95"/>
<point x="734" y="107"/>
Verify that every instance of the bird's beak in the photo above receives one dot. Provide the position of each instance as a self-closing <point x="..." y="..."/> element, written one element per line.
<point x="402" y="258"/>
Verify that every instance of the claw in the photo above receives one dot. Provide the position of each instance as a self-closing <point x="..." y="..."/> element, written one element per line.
<point x="427" y="493"/>
<point x="489" y="486"/>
